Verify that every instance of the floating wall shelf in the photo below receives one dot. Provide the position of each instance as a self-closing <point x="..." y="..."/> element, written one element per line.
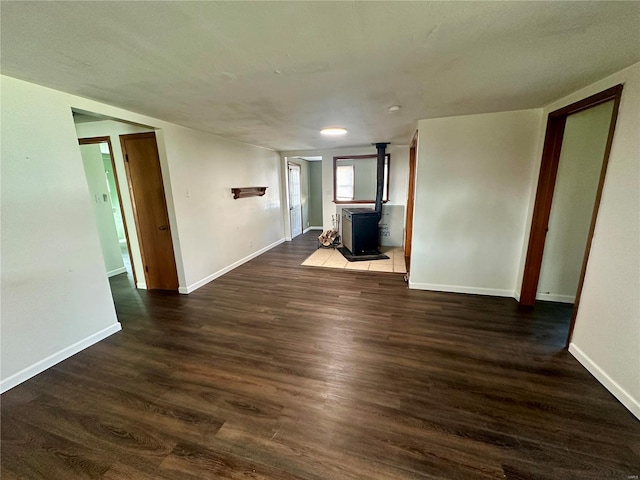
<point x="243" y="192"/>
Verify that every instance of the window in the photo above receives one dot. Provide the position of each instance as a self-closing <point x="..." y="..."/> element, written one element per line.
<point x="355" y="179"/>
<point x="344" y="182"/>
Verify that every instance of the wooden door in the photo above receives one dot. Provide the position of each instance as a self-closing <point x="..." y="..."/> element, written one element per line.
<point x="295" y="200"/>
<point x="408" y="231"/>
<point x="144" y="176"/>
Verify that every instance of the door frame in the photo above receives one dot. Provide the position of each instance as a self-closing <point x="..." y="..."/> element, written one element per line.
<point x="289" y="199"/>
<point x="556" y="122"/>
<point x="411" y="193"/>
<point x="145" y="263"/>
<point x="107" y="140"/>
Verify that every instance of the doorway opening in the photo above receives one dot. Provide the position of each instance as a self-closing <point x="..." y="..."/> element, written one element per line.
<point x="102" y="179"/>
<point x="302" y="185"/>
<point x="295" y="199"/>
<point x="572" y="172"/>
<point x="134" y="167"/>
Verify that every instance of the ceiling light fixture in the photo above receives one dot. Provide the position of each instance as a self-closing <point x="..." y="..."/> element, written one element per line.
<point x="333" y="131"/>
<point x="394" y="108"/>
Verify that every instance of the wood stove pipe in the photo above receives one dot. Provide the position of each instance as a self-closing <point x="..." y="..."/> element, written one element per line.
<point x="381" y="147"/>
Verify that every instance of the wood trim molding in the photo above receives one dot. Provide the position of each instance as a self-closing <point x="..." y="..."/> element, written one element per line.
<point x="542" y="209"/>
<point x="408" y="231"/>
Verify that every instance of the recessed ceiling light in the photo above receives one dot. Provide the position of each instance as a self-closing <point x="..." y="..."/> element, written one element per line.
<point x="394" y="108"/>
<point x="333" y="131"/>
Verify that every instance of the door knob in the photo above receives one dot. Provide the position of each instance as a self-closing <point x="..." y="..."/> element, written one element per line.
<point x="163" y="227"/>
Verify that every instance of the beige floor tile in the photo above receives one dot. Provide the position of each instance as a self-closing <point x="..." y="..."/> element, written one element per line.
<point x="382" y="262"/>
<point x="380" y="268"/>
<point x="331" y="258"/>
<point x="314" y="261"/>
<point x="357" y="266"/>
<point x="335" y="264"/>
<point x="335" y="260"/>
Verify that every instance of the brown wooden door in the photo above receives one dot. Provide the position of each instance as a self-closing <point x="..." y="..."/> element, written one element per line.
<point x="144" y="176"/>
<point x="408" y="232"/>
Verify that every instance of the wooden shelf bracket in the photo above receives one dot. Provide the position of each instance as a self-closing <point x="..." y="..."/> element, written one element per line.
<point x="242" y="192"/>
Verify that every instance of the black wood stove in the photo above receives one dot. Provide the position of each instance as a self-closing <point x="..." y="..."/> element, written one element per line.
<point x="360" y="225"/>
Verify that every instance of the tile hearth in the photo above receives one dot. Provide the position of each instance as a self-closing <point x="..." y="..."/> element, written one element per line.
<point x="330" y="258"/>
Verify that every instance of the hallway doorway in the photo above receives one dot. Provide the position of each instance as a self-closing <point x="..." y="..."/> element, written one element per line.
<point x="102" y="180"/>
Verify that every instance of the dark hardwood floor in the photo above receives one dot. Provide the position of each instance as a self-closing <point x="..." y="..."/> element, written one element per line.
<point x="277" y="371"/>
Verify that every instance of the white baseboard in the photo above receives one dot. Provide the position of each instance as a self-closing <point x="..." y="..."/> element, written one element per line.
<point x="458" y="289"/>
<point x="219" y="273"/>
<point x="516" y="295"/>
<point x="310" y="228"/>
<point x="551" y="297"/>
<point x="632" y="404"/>
<point x="287" y="239"/>
<point x="39" y="367"/>
<point x="141" y="285"/>
<point x="117" y="271"/>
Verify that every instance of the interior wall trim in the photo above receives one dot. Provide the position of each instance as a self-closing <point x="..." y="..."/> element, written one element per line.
<point x="219" y="273"/>
<point x="493" y="292"/>
<point x="308" y="229"/>
<point x="117" y="271"/>
<point x="632" y="404"/>
<point x="39" y="367"/>
<point x="552" y="297"/>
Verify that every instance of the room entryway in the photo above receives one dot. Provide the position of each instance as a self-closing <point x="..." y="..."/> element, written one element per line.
<point x="295" y="199"/>
<point x="104" y="194"/>
<point x="134" y="229"/>
<point x="574" y="163"/>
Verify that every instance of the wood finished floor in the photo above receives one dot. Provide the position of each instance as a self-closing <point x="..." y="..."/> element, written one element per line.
<point x="279" y="371"/>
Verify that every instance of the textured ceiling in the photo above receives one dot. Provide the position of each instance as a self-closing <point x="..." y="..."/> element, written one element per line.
<point x="275" y="73"/>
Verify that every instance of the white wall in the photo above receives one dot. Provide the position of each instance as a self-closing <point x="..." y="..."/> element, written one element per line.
<point x="113" y="130"/>
<point x="606" y="338"/>
<point x="473" y="181"/>
<point x="315" y="194"/>
<point x="217" y="232"/>
<point x="103" y="211"/>
<point x="199" y="171"/>
<point x="583" y="146"/>
<point x="398" y="175"/>
<point x="55" y="296"/>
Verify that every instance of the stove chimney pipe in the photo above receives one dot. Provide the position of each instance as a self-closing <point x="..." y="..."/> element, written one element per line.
<point x="381" y="147"/>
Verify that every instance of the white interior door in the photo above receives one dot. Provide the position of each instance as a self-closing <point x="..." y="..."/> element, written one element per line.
<point x="295" y="203"/>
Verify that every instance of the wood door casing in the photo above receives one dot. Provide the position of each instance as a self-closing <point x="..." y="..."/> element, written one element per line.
<point x="544" y="195"/>
<point x="408" y="232"/>
<point x="144" y="177"/>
